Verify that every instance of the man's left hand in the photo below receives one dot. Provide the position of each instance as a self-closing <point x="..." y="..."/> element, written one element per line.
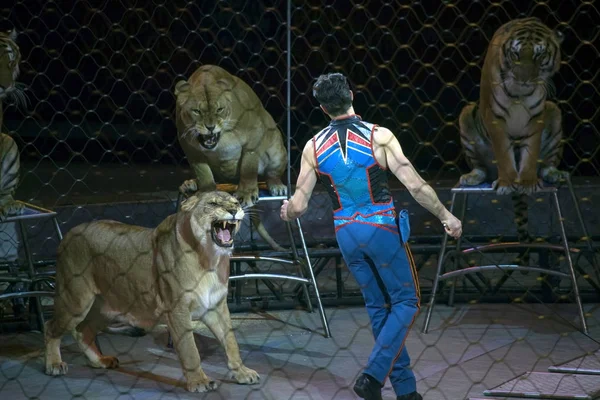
<point x="283" y="212"/>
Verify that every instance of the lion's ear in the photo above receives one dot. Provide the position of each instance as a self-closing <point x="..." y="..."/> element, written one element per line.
<point x="190" y="203"/>
<point x="13" y="35"/>
<point x="225" y="83"/>
<point x="181" y="86"/>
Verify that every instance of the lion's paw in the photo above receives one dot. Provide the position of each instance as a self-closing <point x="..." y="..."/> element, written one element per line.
<point x="245" y="376"/>
<point x="201" y="385"/>
<point x="247" y="196"/>
<point x="60" y="368"/>
<point x="277" y="188"/>
<point x="189" y="187"/>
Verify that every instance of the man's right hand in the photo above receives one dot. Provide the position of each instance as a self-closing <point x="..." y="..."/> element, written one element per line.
<point x="452" y="226"/>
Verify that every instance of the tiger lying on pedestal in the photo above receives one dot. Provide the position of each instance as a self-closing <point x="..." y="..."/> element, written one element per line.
<point x="513" y="136"/>
<point x="10" y="56"/>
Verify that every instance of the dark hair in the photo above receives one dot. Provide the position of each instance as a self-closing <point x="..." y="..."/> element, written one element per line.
<point x="332" y="91"/>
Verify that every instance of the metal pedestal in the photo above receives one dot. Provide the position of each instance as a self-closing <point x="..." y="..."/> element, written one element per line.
<point x="587" y="365"/>
<point x="34" y="279"/>
<point x="508" y="269"/>
<point x="544" y="385"/>
<point x="305" y="277"/>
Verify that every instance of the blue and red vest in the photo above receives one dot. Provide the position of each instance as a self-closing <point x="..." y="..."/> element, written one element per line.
<point x="357" y="184"/>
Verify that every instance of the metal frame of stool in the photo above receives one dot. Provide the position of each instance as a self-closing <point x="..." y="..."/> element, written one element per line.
<point x="34" y="278"/>
<point x="305" y="264"/>
<point x="508" y="268"/>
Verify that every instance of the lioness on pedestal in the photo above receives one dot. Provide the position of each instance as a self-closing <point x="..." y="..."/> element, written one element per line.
<point x="228" y="137"/>
<point x="108" y="270"/>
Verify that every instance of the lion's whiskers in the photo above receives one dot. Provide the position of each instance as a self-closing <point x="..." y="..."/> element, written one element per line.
<point x="253" y="207"/>
<point x="227" y="124"/>
<point x="253" y="212"/>
<point x="191" y="131"/>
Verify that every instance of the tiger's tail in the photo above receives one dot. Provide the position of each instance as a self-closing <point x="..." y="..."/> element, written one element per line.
<point x="521" y="209"/>
<point x="9" y="166"/>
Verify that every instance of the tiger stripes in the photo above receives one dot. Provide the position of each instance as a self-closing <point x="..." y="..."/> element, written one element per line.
<point x="512" y="137"/>
<point x="10" y="56"/>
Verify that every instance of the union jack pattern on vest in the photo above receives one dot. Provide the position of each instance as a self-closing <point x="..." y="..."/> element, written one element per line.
<point x="357" y="184"/>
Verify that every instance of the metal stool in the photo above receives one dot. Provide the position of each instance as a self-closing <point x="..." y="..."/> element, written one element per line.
<point x="486" y="188"/>
<point x="31" y="212"/>
<point x="303" y="262"/>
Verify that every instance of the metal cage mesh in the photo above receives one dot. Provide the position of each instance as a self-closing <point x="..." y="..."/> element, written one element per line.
<point x="98" y="140"/>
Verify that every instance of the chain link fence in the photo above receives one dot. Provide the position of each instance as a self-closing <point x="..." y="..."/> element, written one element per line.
<point x="98" y="140"/>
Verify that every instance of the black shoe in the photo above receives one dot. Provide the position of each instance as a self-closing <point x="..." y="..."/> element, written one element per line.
<point x="367" y="387"/>
<point x="410" y="396"/>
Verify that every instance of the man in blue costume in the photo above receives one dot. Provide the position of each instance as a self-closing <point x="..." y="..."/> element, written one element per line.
<point x="350" y="157"/>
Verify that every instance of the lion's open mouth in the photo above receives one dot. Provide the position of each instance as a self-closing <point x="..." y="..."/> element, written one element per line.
<point x="223" y="232"/>
<point x="209" y="141"/>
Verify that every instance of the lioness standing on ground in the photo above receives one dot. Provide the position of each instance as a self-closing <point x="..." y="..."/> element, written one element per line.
<point x="107" y="270"/>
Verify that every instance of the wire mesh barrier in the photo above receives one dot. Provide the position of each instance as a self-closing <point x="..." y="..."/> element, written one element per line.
<point x="94" y="115"/>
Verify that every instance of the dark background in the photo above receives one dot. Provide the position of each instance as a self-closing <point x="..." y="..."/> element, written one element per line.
<point x="100" y="74"/>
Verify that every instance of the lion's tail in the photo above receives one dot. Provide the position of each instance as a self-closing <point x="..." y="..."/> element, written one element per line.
<point x="260" y="228"/>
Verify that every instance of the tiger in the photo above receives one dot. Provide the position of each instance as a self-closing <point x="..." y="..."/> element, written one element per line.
<point x="513" y="136"/>
<point x="10" y="57"/>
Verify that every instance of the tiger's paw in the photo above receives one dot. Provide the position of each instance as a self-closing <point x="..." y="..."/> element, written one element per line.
<point x="10" y="209"/>
<point x="502" y="187"/>
<point x="529" y="186"/>
<point x="473" y="178"/>
<point x="553" y="175"/>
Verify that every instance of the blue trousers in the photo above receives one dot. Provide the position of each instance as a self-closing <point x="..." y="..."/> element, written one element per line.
<point x="382" y="264"/>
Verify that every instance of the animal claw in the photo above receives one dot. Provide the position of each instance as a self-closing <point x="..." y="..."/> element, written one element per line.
<point x="247" y="197"/>
<point x="529" y="186"/>
<point x="502" y="188"/>
<point x="245" y="376"/>
<point x="60" y="368"/>
<point x="473" y="178"/>
<point x="189" y="187"/>
<point x="202" y="386"/>
<point x="277" y="189"/>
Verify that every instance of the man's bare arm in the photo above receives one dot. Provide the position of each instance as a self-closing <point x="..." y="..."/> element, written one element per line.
<point x="307" y="180"/>
<point x="403" y="169"/>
